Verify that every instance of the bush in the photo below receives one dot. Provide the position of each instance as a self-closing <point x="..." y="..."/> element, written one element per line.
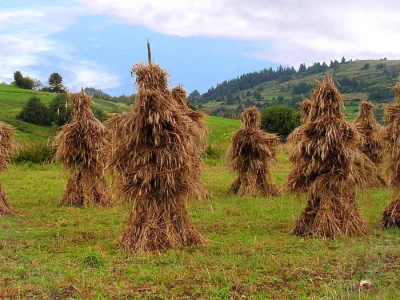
<point x="280" y="119"/>
<point x="23" y="82"/>
<point x="35" y="153"/>
<point x="36" y="112"/>
<point x="62" y="114"/>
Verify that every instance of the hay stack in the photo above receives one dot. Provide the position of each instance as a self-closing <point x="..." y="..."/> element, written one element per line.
<point x="234" y="116"/>
<point x="371" y="141"/>
<point x="251" y="153"/>
<point x="391" y="135"/>
<point x="79" y="147"/>
<point x="296" y="135"/>
<point x="152" y="152"/>
<point x="5" y="150"/>
<point x="330" y="167"/>
<point x="197" y="128"/>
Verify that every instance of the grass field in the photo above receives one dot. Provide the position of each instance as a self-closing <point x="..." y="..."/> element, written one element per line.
<point x="49" y="251"/>
<point x="12" y="100"/>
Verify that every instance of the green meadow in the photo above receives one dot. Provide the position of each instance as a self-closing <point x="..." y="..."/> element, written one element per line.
<point x="52" y="252"/>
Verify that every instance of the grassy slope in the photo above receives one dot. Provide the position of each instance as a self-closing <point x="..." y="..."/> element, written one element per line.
<point x="12" y="100"/>
<point x="53" y="251"/>
<point x="352" y="69"/>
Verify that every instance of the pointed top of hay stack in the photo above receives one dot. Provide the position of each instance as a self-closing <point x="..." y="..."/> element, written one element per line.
<point x="80" y="103"/>
<point x="179" y="94"/>
<point x="150" y="76"/>
<point x="305" y="107"/>
<point x="251" y="118"/>
<point x="327" y="101"/>
<point x="366" y="113"/>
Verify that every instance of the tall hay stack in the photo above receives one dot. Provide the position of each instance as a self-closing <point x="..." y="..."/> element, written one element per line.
<point x="79" y="147"/>
<point x="391" y="135"/>
<point x="6" y="134"/>
<point x="329" y="166"/>
<point x="251" y="153"/>
<point x="197" y="128"/>
<point x="371" y="141"/>
<point x="152" y="151"/>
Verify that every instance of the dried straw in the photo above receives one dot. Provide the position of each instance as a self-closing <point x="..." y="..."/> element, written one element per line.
<point x="152" y="150"/>
<point x="329" y="165"/>
<point x="251" y="153"/>
<point x="370" y="133"/>
<point x="6" y="134"/>
<point x="196" y="126"/>
<point x="79" y="147"/>
<point x="391" y="136"/>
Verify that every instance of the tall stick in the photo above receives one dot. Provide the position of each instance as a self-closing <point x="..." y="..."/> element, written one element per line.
<point x="148" y="51"/>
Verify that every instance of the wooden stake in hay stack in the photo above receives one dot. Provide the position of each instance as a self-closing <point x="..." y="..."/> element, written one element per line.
<point x="5" y="149"/>
<point x="330" y="166"/>
<point x="251" y="153"/>
<point x="152" y="152"/>
<point x="197" y="128"/>
<point x="79" y="147"/>
<point x="391" y="135"/>
<point x="371" y="141"/>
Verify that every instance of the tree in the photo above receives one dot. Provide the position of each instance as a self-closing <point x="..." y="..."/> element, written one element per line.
<point x="366" y="66"/>
<point x="280" y="119"/>
<point x="343" y="60"/>
<point x="55" y="82"/>
<point x="37" y="84"/>
<point x="23" y="82"/>
<point x="257" y="95"/>
<point x="36" y="112"/>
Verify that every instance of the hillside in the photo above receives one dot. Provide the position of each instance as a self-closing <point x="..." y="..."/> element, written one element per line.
<point x="355" y="80"/>
<point x="12" y="99"/>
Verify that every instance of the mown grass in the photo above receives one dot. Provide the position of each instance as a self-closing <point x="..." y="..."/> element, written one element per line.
<point x="49" y="251"/>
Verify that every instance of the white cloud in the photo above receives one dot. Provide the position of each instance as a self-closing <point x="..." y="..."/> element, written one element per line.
<point x="88" y="74"/>
<point x="291" y="31"/>
<point x="28" y="42"/>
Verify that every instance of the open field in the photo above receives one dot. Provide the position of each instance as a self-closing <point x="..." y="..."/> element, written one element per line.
<point x="49" y="251"/>
<point x="12" y="100"/>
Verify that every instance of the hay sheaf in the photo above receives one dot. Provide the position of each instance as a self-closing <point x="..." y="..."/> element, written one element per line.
<point x="329" y="166"/>
<point x="152" y="151"/>
<point x="197" y="128"/>
<point x="80" y="148"/>
<point x="371" y="143"/>
<point x="6" y="134"/>
<point x="251" y="154"/>
<point x="391" y="136"/>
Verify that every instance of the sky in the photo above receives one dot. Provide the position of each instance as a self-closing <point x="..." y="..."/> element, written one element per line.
<point x="95" y="43"/>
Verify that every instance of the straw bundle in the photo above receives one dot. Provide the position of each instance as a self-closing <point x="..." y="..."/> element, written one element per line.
<point x="152" y="151"/>
<point x="391" y="136"/>
<point x="79" y="147"/>
<point x="251" y="154"/>
<point x="195" y="125"/>
<point x="221" y="114"/>
<point x="370" y="132"/>
<point x="330" y="167"/>
<point x="234" y="116"/>
<point x="296" y="135"/>
<point x="5" y="150"/>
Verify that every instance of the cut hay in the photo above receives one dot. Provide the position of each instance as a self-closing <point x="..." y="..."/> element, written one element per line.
<point x="329" y="165"/>
<point x="391" y="136"/>
<point x="371" y="140"/>
<point x="152" y="151"/>
<point x="6" y="134"/>
<point x="251" y="153"/>
<point x="79" y="147"/>
<point x="196" y="127"/>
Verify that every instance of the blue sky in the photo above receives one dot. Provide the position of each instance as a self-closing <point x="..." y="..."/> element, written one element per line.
<point x="200" y="43"/>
